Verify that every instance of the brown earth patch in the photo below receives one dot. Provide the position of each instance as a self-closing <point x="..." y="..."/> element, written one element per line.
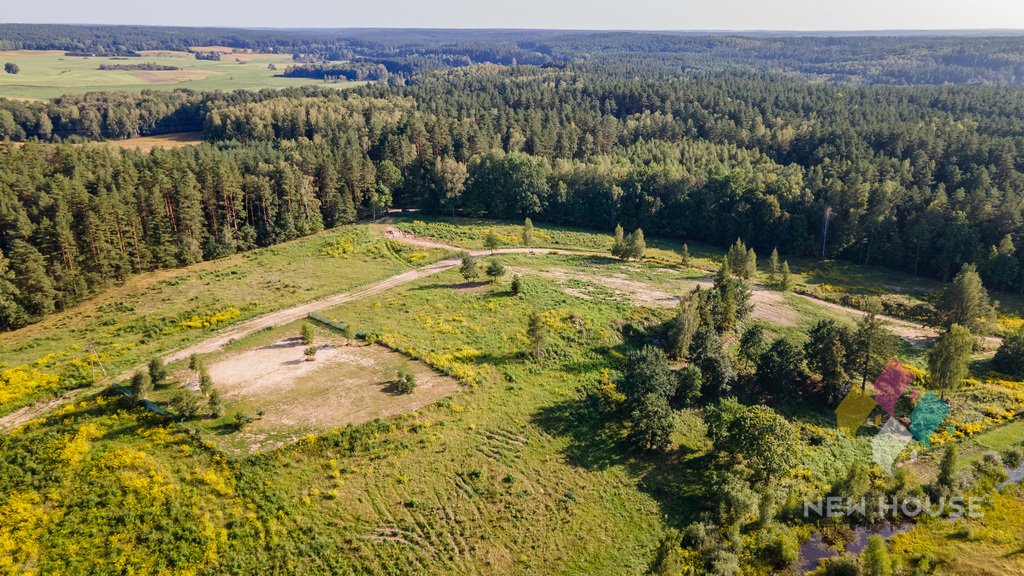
<point x="345" y="384"/>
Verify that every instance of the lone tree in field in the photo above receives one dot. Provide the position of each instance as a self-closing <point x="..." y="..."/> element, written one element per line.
<point x="11" y="68"/>
<point x="469" y="268"/>
<point x="537" y="332"/>
<point x="141" y="385"/>
<point x="517" y="285"/>
<point x="947" y="361"/>
<point x="306" y="333"/>
<point x="495" y="270"/>
<point x="684" y="257"/>
<point x="965" y="302"/>
<point x="157" y="371"/>
<point x="527" y="232"/>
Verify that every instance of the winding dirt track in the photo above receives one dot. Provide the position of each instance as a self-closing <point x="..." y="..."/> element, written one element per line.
<point x="912" y="332"/>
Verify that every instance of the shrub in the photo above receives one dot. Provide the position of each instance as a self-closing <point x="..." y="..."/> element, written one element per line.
<point x="781" y="548"/>
<point x="406" y="382"/>
<point x="876" y="558"/>
<point x="1009" y="359"/>
<point x="310" y="353"/>
<point x="841" y="566"/>
<point x="157" y="371"/>
<point x="187" y="405"/>
<point x="141" y="385"/>
<point x="215" y="403"/>
<point x="1013" y="457"/>
<point x="306" y="333"/>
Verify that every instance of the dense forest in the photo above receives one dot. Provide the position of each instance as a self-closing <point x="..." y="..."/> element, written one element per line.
<point x="917" y="178"/>
<point x="883" y="59"/>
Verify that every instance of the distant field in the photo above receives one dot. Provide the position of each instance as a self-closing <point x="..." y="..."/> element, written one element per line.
<point x="48" y="74"/>
<point x="164" y="141"/>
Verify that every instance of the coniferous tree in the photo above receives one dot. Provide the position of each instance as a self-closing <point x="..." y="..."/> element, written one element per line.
<point x="469" y="268"/>
<point x="872" y="346"/>
<point x="827" y="355"/>
<point x="12" y="315"/>
<point x="36" y="295"/>
<point x="785" y="279"/>
<point x="495" y="270"/>
<point x="774" y="269"/>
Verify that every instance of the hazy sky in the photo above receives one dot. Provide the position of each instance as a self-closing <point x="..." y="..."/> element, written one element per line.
<point x="577" y="14"/>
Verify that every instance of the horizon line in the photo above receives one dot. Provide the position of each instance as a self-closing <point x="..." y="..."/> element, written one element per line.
<point x="712" y="31"/>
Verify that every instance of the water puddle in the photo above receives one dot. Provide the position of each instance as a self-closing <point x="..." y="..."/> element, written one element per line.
<point x="814" y="550"/>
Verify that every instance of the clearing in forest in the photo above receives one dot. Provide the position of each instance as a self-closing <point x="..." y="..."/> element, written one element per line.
<point x="346" y="383"/>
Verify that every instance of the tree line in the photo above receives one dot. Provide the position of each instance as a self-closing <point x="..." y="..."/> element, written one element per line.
<point x="920" y="179"/>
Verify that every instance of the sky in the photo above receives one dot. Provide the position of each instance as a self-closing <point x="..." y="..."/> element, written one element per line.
<point x="559" y="14"/>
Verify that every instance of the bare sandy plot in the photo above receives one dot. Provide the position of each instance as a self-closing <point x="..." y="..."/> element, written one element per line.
<point x="346" y="384"/>
<point x="768" y="306"/>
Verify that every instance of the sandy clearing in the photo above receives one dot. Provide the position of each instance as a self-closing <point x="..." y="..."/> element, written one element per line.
<point x="345" y="384"/>
<point x="768" y="306"/>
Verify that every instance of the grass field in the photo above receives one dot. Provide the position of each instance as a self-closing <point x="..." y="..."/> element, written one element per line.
<point x="507" y="473"/>
<point x="166" y="310"/>
<point x="48" y="74"/>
